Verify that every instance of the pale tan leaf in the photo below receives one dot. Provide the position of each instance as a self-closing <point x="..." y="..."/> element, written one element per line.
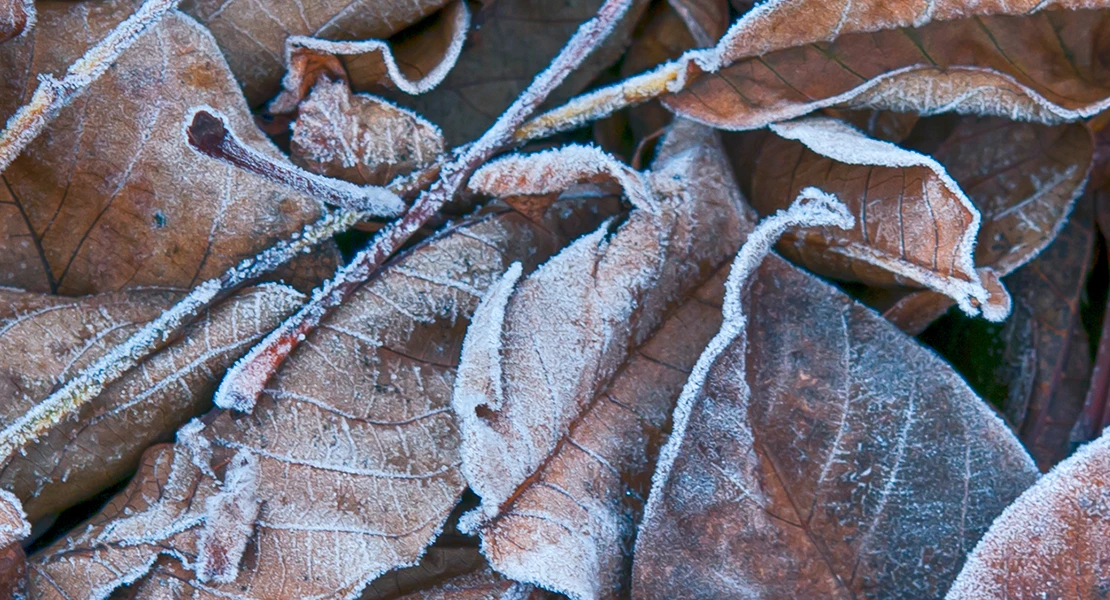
<point x="538" y="356"/>
<point x="360" y="138"/>
<point x="110" y="197"/>
<point x="356" y="446"/>
<point x="914" y="224"/>
<point x="45" y="340"/>
<point x="824" y="455"/>
<point x="1052" y="541"/>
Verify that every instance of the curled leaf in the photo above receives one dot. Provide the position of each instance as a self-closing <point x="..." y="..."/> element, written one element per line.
<point x="416" y="65"/>
<point x="111" y="197"/>
<point x="1051" y="542"/>
<point x="253" y="36"/>
<point x="356" y="447"/>
<point x="47" y="339"/>
<point x="360" y="138"/>
<point x="819" y="453"/>
<point x="914" y="224"/>
<point x="537" y="355"/>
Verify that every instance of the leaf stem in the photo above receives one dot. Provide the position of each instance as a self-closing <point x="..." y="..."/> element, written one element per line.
<point x="53" y="94"/>
<point x="245" y="381"/>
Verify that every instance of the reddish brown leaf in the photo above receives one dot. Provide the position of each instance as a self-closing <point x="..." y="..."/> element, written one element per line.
<point x="790" y="58"/>
<point x="46" y="339"/>
<point x="14" y="17"/>
<point x="484" y="82"/>
<point x="13" y="572"/>
<point x="111" y="197"/>
<point x="1052" y="541"/>
<point x="914" y="224"/>
<point x="825" y="455"/>
<point x="355" y="446"/>
<point x="706" y="20"/>
<point x="253" y="36"/>
<point x="1024" y="179"/>
<point x="414" y="62"/>
<point x="360" y="138"/>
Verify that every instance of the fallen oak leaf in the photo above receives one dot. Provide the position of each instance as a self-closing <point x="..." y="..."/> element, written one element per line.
<point x="45" y="339"/>
<point x="788" y="58"/>
<point x="1051" y="542"/>
<point x="354" y="440"/>
<point x="360" y="138"/>
<point x="415" y="65"/>
<point x="112" y="198"/>
<point x="914" y="224"/>
<point x="801" y="466"/>
<point x="590" y="304"/>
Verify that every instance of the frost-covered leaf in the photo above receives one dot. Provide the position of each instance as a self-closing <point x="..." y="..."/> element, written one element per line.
<point x="824" y="455"/>
<point x="791" y="57"/>
<point x="355" y="443"/>
<point x="15" y="16"/>
<point x="253" y="35"/>
<point x="706" y="20"/>
<point x="13" y="572"/>
<point x="570" y="527"/>
<point x="512" y="41"/>
<point x="47" y="339"/>
<point x="539" y="352"/>
<point x="914" y="225"/>
<point x="1052" y="541"/>
<point x="414" y="63"/>
<point x="110" y="197"/>
<point x="360" y="138"/>
<point x="1024" y="179"/>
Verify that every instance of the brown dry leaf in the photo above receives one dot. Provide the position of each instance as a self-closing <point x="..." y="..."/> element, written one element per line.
<point x="414" y="62"/>
<point x="111" y="197"/>
<point x="253" y="35"/>
<point x="449" y="573"/>
<point x="570" y="527"/>
<point x="1052" y="541"/>
<point x="555" y="377"/>
<point x="914" y="224"/>
<point x="1024" y="179"/>
<point x="47" y="339"/>
<point x="360" y="138"/>
<point x="512" y="41"/>
<point x="791" y="57"/>
<point x="521" y="380"/>
<point x="13" y="572"/>
<point x="885" y="125"/>
<point x="353" y="446"/>
<point x="15" y="16"/>
<point x="662" y="35"/>
<point x="824" y="455"/>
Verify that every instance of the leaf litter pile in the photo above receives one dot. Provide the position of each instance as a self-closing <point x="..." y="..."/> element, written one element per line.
<point x="524" y="299"/>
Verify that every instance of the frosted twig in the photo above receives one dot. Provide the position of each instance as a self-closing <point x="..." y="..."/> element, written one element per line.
<point x="244" y="382"/>
<point x="53" y="94"/>
<point x="812" y="208"/>
<point x="208" y="133"/>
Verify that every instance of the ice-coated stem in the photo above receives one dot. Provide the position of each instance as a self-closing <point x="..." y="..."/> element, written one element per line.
<point x="53" y="94"/>
<point x="245" y="381"/>
<point x="209" y="134"/>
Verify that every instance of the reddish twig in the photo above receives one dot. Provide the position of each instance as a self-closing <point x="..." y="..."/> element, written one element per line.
<point x="245" y="381"/>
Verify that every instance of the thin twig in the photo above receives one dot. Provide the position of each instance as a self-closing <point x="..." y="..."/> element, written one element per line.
<point x="53" y="94"/>
<point x="245" y="381"/>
